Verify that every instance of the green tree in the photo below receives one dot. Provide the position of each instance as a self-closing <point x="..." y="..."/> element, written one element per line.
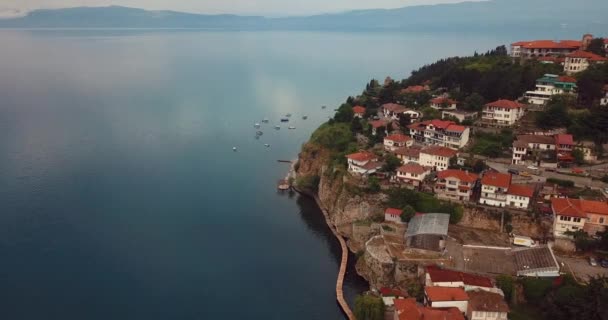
<point x="479" y="166"/>
<point x="344" y="114"/>
<point x="474" y="102"/>
<point x="356" y="126"/>
<point x="536" y="288"/>
<point x="579" y="156"/>
<point x="556" y="113"/>
<point x="405" y="120"/>
<point x="368" y="307"/>
<point x="408" y="213"/>
<point x="453" y="162"/>
<point x="597" y="46"/>
<point x="506" y="284"/>
<point x="391" y="163"/>
<point x="456" y="213"/>
<point x="590" y="84"/>
<point x="373" y="185"/>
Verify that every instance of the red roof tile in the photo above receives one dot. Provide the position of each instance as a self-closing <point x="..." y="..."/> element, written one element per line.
<point x="414" y="89"/>
<point x="378" y="123"/>
<point x="445" y="294"/>
<point x="393" y="211"/>
<point x="408" y="309"/>
<point x="480" y="300"/>
<point x="501" y="180"/>
<point x="388" y="292"/>
<point x="463" y="176"/>
<point x="439" y="151"/>
<point x="566" y="79"/>
<point x="586" y="55"/>
<point x="521" y="190"/>
<point x="567" y="207"/>
<point x="362" y="156"/>
<point x="549" y="44"/>
<point x="413" y="167"/>
<point x="508" y="104"/>
<point x="413" y="152"/>
<point x="358" y="109"/>
<point x="444" y="275"/>
<point x="398" y="138"/>
<point x="564" y="139"/>
<point x="441" y="100"/>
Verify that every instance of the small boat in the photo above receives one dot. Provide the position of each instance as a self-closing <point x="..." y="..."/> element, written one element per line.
<point x="257" y="125"/>
<point x="284" y="120"/>
<point x="291" y="127"/>
<point x="304" y="117"/>
<point x="259" y="133"/>
<point x="265" y="120"/>
<point x="288" y="115"/>
<point x="266" y="145"/>
<point x="323" y="107"/>
<point x="233" y="148"/>
<point x="277" y="127"/>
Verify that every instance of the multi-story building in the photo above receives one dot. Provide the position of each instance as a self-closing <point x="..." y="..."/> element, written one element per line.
<point x="543" y="48"/>
<point x="446" y="297"/>
<point x="578" y="214"/>
<point x="363" y="163"/>
<point x="413" y="173"/>
<point x="406" y="155"/>
<point x="441" y="133"/>
<point x="494" y="187"/>
<point x="395" y="141"/>
<point x="529" y="147"/>
<point x="581" y="60"/>
<point x="437" y="157"/>
<point x="459" y="114"/>
<point x="408" y="309"/>
<point x="442" y="103"/>
<point x="502" y="113"/>
<point x="549" y="85"/>
<point x="455" y="185"/>
<point x="519" y="196"/>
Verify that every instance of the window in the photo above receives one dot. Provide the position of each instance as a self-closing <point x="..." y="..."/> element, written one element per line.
<point x="577" y="219"/>
<point x="602" y="220"/>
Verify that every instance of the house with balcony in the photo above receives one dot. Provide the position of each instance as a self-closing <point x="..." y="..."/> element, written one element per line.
<point x="549" y="85"/>
<point x="437" y="157"/>
<point x="443" y="103"/>
<point x="440" y="133"/>
<point x="395" y="141"/>
<point x="581" y="60"/>
<point x="363" y="163"/>
<point x="359" y="112"/>
<point x="455" y="185"/>
<point x="494" y="189"/>
<point x="543" y="148"/>
<point x="413" y="173"/>
<point x="519" y="196"/>
<point x="502" y="113"/>
<point x="396" y="111"/>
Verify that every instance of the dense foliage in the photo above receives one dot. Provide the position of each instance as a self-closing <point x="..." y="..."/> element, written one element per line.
<point x="492" y="144"/>
<point x="402" y="198"/>
<point x="368" y="307"/>
<point x="568" y="300"/>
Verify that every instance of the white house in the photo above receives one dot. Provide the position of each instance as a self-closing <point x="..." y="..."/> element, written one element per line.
<point x="436" y="157"/>
<point x="502" y="113"/>
<point x="527" y="144"/>
<point x="484" y="305"/>
<point x="394" y="141"/>
<point x="411" y="154"/>
<point x="359" y="112"/>
<point x="455" y="185"/>
<point x="581" y="60"/>
<point x="441" y="133"/>
<point x="413" y="173"/>
<point x="393" y="215"/>
<point x="544" y="48"/>
<point x="442" y="103"/>
<point x="578" y="214"/>
<point x="363" y="163"/>
<point x="446" y="297"/>
<point x="395" y="111"/>
<point x="519" y="196"/>
<point x="549" y="85"/>
<point x="494" y="187"/>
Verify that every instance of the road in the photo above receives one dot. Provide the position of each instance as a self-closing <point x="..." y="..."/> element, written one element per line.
<point x="581" y="268"/>
<point x="543" y="175"/>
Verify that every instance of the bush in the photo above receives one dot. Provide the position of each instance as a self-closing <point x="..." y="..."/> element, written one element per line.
<point x="368" y="308"/>
<point x="506" y="284"/>
<point x="310" y="183"/>
<point x="373" y="185"/>
<point x="561" y="183"/>
<point x="408" y="213"/>
<point x="536" y="288"/>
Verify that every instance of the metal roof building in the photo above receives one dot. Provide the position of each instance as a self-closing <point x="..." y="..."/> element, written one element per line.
<point x="428" y="224"/>
<point x="536" y="262"/>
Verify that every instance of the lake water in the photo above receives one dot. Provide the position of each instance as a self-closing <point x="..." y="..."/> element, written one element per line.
<point x="120" y="195"/>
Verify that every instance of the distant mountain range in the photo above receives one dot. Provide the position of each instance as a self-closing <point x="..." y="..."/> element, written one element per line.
<point x="531" y="15"/>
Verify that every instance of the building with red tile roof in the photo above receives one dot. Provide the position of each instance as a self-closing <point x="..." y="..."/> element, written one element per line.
<point x="578" y="214"/>
<point x="544" y="48"/>
<point x="359" y="111"/>
<point x="413" y="173"/>
<point x="502" y="113"/>
<point x="437" y="157"/>
<point x="395" y="141"/>
<point x="395" y="111"/>
<point x="580" y="60"/>
<point x="455" y="184"/>
<point x="439" y="277"/>
<point x="363" y="163"/>
<point x="494" y="188"/>
<point x="414" y="89"/>
<point x="393" y="215"/>
<point x="446" y="297"/>
<point x="441" y="133"/>
<point x="379" y="125"/>
<point x="519" y="196"/>
<point x="484" y="305"/>
<point x="408" y="309"/>
<point x="548" y="86"/>
<point x="443" y="103"/>
<point x="411" y="154"/>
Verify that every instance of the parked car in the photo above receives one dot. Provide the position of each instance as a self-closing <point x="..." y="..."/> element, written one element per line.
<point x="525" y="174"/>
<point x="513" y="171"/>
<point x="604" y="263"/>
<point x="592" y="262"/>
<point x="533" y="168"/>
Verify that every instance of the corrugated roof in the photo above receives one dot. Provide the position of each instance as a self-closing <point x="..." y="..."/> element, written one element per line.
<point x="531" y="259"/>
<point x="428" y="223"/>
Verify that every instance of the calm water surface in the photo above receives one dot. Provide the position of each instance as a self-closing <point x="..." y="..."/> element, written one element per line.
<point x="120" y="195"/>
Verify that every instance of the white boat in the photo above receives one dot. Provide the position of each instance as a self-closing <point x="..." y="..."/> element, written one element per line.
<point x="257" y="125"/>
<point x="291" y="128"/>
<point x="259" y="133"/>
<point x="288" y="115"/>
<point x="233" y="148"/>
<point x="266" y="145"/>
<point x="265" y="120"/>
<point x="277" y="127"/>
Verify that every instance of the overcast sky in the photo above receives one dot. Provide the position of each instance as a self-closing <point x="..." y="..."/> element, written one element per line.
<point x="258" y="7"/>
